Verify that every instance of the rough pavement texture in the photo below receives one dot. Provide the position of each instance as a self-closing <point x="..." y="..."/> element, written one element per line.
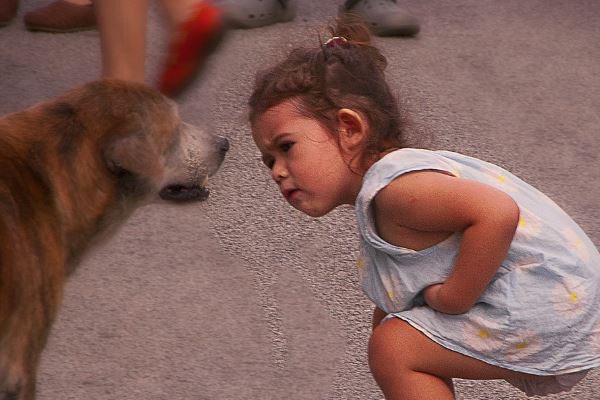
<point x="244" y="298"/>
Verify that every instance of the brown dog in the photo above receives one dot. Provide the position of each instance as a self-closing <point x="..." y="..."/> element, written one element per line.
<point x="71" y="169"/>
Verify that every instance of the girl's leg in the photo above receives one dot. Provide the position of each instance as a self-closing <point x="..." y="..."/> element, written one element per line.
<point x="408" y="365"/>
<point x="122" y="25"/>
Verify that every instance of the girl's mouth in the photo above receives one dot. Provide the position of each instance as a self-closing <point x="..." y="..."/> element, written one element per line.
<point x="289" y="194"/>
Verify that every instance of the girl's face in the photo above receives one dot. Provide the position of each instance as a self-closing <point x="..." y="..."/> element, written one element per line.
<point x="306" y="162"/>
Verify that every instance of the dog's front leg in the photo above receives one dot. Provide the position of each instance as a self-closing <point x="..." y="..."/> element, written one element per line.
<point x="21" y="347"/>
<point x="18" y="370"/>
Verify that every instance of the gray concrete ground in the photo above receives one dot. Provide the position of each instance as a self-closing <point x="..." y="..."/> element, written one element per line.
<point x="242" y="297"/>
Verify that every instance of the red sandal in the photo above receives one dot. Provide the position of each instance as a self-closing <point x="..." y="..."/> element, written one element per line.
<point x="196" y="40"/>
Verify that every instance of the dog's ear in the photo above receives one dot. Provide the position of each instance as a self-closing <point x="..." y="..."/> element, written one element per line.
<point x="130" y="154"/>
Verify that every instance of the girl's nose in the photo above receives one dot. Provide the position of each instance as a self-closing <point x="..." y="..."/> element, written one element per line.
<point x="278" y="172"/>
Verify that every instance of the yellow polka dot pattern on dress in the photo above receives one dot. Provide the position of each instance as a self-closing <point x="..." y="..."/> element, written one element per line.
<point x="522" y="345"/>
<point x="573" y="297"/>
<point x="360" y="263"/>
<point x="391" y="295"/>
<point x="484" y="334"/>
<point x="539" y="312"/>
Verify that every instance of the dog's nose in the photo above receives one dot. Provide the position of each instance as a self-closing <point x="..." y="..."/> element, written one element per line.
<point x="223" y="144"/>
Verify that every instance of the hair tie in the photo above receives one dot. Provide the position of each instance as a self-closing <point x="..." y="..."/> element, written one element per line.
<point x="336" y="41"/>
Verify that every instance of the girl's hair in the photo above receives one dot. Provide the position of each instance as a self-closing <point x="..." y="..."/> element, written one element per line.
<point x="340" y="74"/>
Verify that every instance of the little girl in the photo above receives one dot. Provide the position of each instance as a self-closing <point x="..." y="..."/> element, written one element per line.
<point x="474" y="273"/>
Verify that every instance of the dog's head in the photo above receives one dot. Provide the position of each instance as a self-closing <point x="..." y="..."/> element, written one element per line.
<point x="174" y="161"/>
<point x="140" y="139"/>
<point x="89" y="157"/>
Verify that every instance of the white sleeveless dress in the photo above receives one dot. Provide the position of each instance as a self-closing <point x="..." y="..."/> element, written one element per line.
<point x="540" y="313"/>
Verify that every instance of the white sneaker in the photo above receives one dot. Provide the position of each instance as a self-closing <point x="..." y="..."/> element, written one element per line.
<point x="247" y="14"/>
<point x="384" y="17"/>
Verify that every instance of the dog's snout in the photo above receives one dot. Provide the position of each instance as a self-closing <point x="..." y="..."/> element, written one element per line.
<point x="182" y="193"/>
<point x="222" y="144"/>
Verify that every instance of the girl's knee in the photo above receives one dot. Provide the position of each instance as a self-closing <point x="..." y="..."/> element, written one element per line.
<point x="389" y="347"/>
<point x="396" y="342"/>
<point x="396" y="352"/>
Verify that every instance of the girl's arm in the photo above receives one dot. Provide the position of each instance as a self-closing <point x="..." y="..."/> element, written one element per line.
<point x="421" y="202"/>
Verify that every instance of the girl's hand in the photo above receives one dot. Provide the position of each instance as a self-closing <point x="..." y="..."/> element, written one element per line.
<point x="435" y="298"/>
<point x="431" y="296"/>
<point x="427" y="202"/>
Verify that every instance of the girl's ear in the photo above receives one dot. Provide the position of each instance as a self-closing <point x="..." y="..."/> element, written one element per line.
<point x="352" y="129"/>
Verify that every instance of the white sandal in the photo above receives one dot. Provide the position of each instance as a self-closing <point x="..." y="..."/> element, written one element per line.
<point x="247" y="14"/>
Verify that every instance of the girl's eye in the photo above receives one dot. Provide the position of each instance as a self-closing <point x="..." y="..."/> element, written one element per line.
<point x="286" y="146"/>
<point x="269" y="163"/>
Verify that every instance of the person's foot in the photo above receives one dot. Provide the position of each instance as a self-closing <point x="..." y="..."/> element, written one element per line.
<point x="8" y="11"/>
<point x="195" y="40"/>
<point x="384" y="17"/>
<point x="61" y="16"/>
<point x="247" y="14"/>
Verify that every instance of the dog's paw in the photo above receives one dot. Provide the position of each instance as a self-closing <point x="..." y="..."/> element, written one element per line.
<point x="10" y="389"/>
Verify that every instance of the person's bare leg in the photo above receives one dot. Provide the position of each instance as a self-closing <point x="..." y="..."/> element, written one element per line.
<point x="407" y="365"/>
<point x="122" y="25"/>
